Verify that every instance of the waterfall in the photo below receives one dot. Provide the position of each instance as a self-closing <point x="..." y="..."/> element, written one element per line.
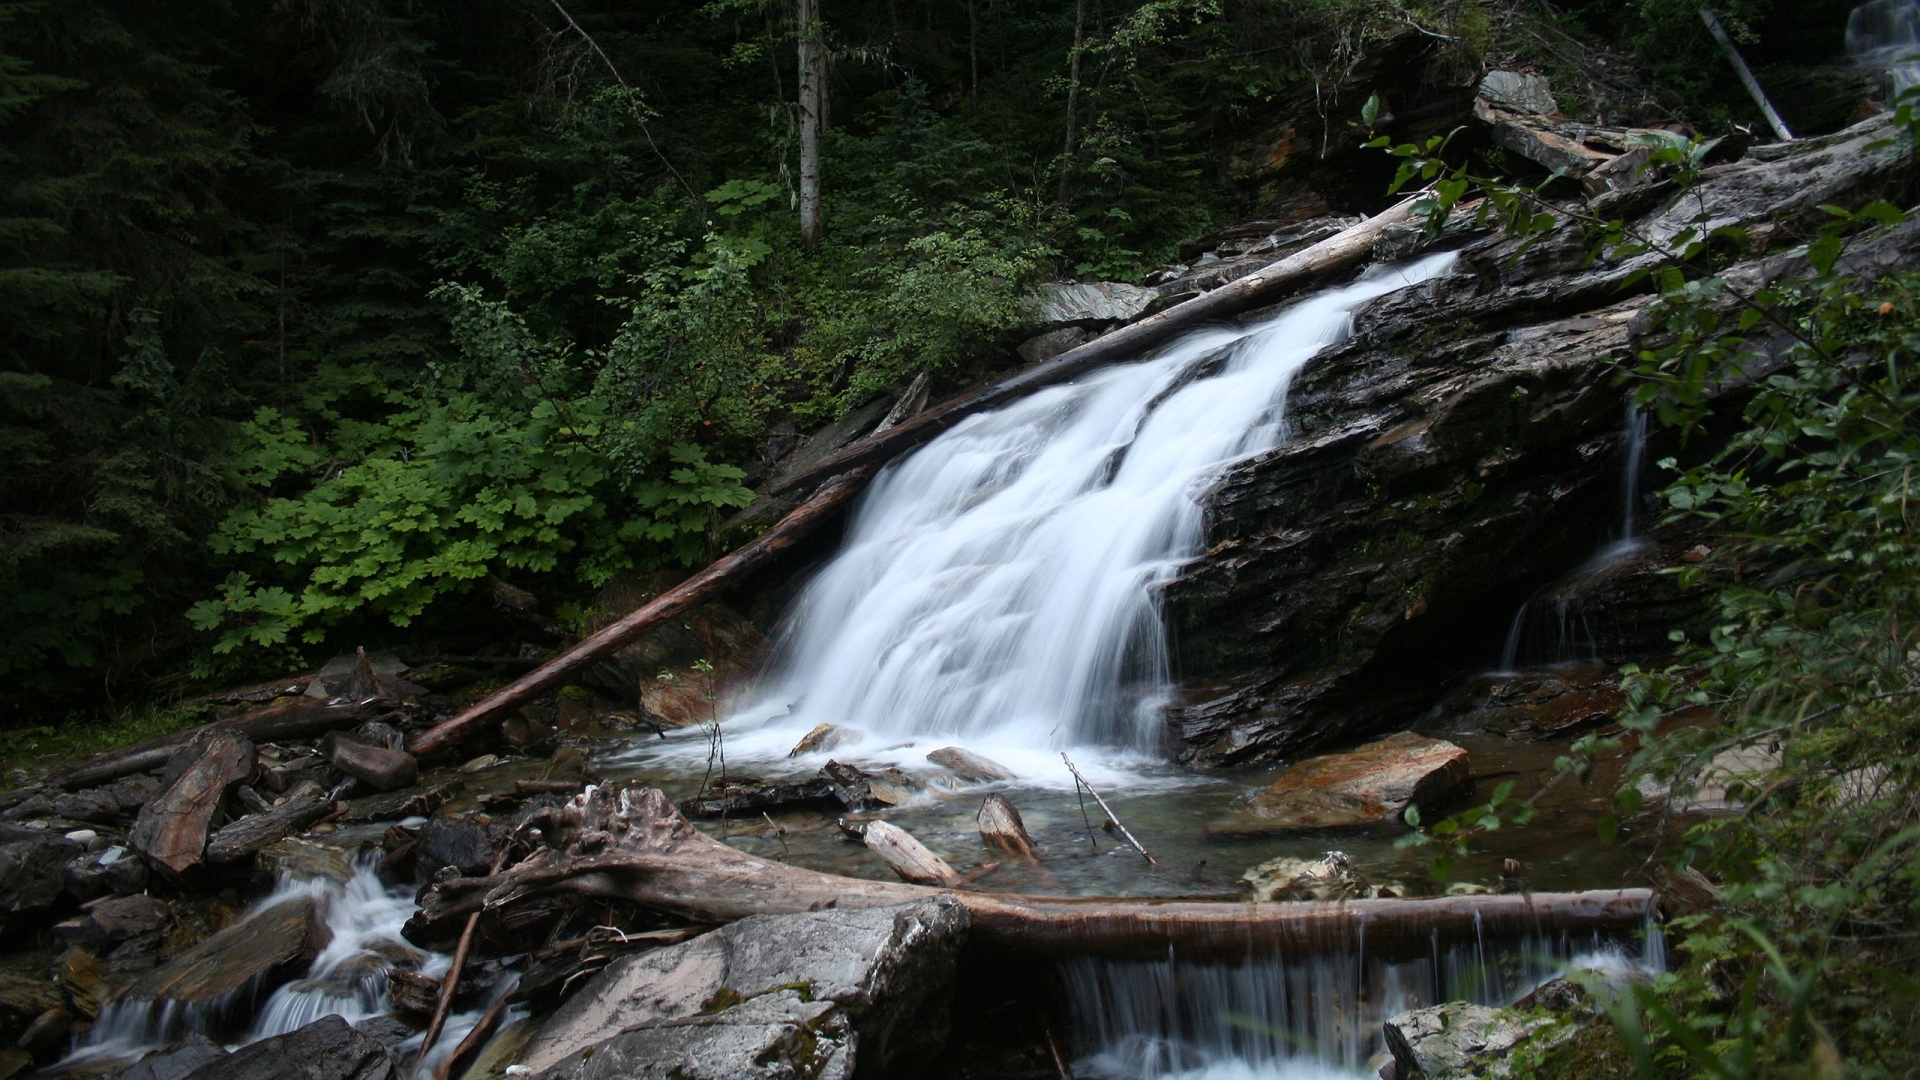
<point x="1885" y="34"/>
<point x="998" y="586"/>
<point x="1309" y="1017"/>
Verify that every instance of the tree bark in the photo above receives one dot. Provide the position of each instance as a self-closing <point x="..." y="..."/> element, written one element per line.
<point x="1002" y="829"/>
<point x="1335" y="253"/>
<point x="1073" y="93"/>
<point x="812" y="118"/>
<point x="907" y="856"/>
<point x="631" y="844"/>
<point x="723" y="572"/>
<point x="249" y="834"/>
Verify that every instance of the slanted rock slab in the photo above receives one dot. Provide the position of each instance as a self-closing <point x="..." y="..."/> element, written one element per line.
<point x="769" y="995"/>
<point x="257" y="953"/>
<point x="327" y="1049"/>
<point x="1372" y="783"/>
<point x="33" y="867"/>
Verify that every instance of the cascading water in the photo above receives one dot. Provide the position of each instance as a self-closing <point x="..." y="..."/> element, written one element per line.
<point x="1885" y="34"/>
<point x="1573" y="635"/>
<point x="1313" y="1017"/>
<point x="998" y="586"/>
<point x="348" y="978"/>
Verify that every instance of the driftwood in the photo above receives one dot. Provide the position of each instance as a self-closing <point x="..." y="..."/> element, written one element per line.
<point x="476" y="1037"/>
<point x="171" y="830"/>
<point x="631" y="844"/>
<point x="242" y="838"/>
<point x="1112" y="818"/>
<point x="1336" y="253"/>
<point x="723" y="571"/>
<point x="1002" y="829"/>
<point x="908" y="857"/>
<point x="388" y="770"/>
<point x="450" y="983"/>
<point x="293" y="718"/>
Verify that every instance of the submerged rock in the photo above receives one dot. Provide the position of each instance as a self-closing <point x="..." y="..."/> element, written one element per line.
<point x="775" y="996"/>
<point x="1373" y="783"/>
<point x="327" y="1049"/>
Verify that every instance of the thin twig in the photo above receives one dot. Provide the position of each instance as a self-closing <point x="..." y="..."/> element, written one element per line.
<point x="1079" y="792"/>
<point x="1109" y="810"/>
<point x="452" y="981"/>
<point x="638" y="118"/>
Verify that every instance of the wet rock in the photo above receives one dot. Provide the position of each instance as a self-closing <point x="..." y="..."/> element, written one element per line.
<point x="1052" y="343"/>
<point x="1088" y="303"/>
<point x="255" y="954"/>
<point x="968" y="765"/>
<point x="458" y="842"/>
<point x="407" y="802"/>
<point x="893" y="787"/>
<point x="387" y="1030"/>
<point x="1455" y="1040"/>
<point x="822" y="738"/>
<point x="748" y="796"/>
<point x="98" y="805"/>
<point x="1330" y="877"/>
<point x="327" y="1049"/>
<point x="171" y="831"/>
<point x="25" y="993"/>
<point x="177" y="1061"/>
<point x="109" y="925"/>
<point x="33" y="872"/>
<point x="305" y="860"/>
<point x="710" y="632"/>
<point x="47" y="1031"/>
<point x="1372" y="783"/>
<point x="384" y="768"/>
<point x="767" y="996"/>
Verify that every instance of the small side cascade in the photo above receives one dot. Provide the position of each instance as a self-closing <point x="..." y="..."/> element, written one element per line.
<point x="1885" y="34"/>
<point x="1575" y="634"/>
<point x="1313" y="1017"/>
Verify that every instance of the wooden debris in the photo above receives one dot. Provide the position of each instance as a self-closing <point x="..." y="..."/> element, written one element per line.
<point x="968" y="765"/>
<point x="631" y="844"/>
<point x="241" y="838"/>
<point x="908" y="857"/>
<point x="291" y="718"/>
<point x="1108" y="810"/>
<point x="1002" y="829"/>
<point x="171" y="830"/>
<point x="548" y="787"/>
<point x="450" y="983"/>
<point x="723" y="572"/>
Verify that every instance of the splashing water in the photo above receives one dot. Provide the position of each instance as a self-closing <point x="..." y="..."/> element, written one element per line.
<point x="998" y="586"/>
<point x="1885" y="34"/>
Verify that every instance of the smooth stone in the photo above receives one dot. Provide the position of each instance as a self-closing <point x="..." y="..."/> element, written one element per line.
<point x="968" y="765"/>
<point x="327" y="1049"/>
<point x="1369" y="784"/>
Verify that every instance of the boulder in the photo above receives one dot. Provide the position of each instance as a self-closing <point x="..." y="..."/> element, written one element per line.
<point x="968" y="765"/>
<point x="172" y="828"/>
<point x="1082" y="303"/>
<point x="1519" y="93"/>
<point x="176" y="1061"/>
<point x="33" y="872"/>
<point x="458" y="842"/>
<point x="327" y="1049"/>
<point x="254" y="955"/>
<point x="1456" y="1040"/>
<point x="384" y="768"/>
<point x="768" y="996"/>
<point x="1373" y="783"/>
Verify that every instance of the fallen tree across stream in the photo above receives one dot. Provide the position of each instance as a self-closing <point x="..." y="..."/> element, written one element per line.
<point x="632" y="844"/>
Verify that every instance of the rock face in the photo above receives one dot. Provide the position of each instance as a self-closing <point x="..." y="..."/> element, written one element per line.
<point x="1455" y="1040"/>
<point x="787" y="996"/>
<point x="1073" y="303"/>
<point x="1374" y="783"/>
<point x="1463" y="450"/>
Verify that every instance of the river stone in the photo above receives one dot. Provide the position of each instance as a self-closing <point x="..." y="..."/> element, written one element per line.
<point x="1456" y="1040"/>
<point x="255" y="954"/>
<point x="33" y="871"/>
<point x="968" y="765"/>
<point x="1373" y="783"/>
<point x="767" y="996"/>
<point x="327" y="1049"/>
<point x="444" y="841"/>
<point x="176" y="1061"/>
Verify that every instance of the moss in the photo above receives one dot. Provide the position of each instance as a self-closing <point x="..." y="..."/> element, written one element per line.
<point x="51" y="746"/>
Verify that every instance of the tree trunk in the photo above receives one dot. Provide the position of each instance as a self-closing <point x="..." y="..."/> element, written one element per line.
<point x="631" y="844"/>
<point x="812" y="118"/>
<point x="1073" y="93"/>
<point x="723" y="572"/>
<point x="1333" y="254"/>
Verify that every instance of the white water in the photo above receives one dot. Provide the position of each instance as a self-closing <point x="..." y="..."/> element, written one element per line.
<point x="997" y="588"/>
<point x="1312" y="1017"/>
<point x="348" y="978"/>
<point x="1885" y="34"/>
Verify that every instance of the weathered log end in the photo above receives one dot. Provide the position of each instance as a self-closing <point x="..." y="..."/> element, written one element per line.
<point x="1002" y="829"/>
<point x="907" y="856"/>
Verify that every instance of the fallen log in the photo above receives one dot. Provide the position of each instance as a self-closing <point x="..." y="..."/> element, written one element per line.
<point x="1336" y="253"/>
<point x="749" y="556"/>
<point x="908" y="857"/>
<point x="292" y="718"/>
<point x="631" y="844"/>
<point x="171" y="830"/>
<point x="240" y="839"/>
